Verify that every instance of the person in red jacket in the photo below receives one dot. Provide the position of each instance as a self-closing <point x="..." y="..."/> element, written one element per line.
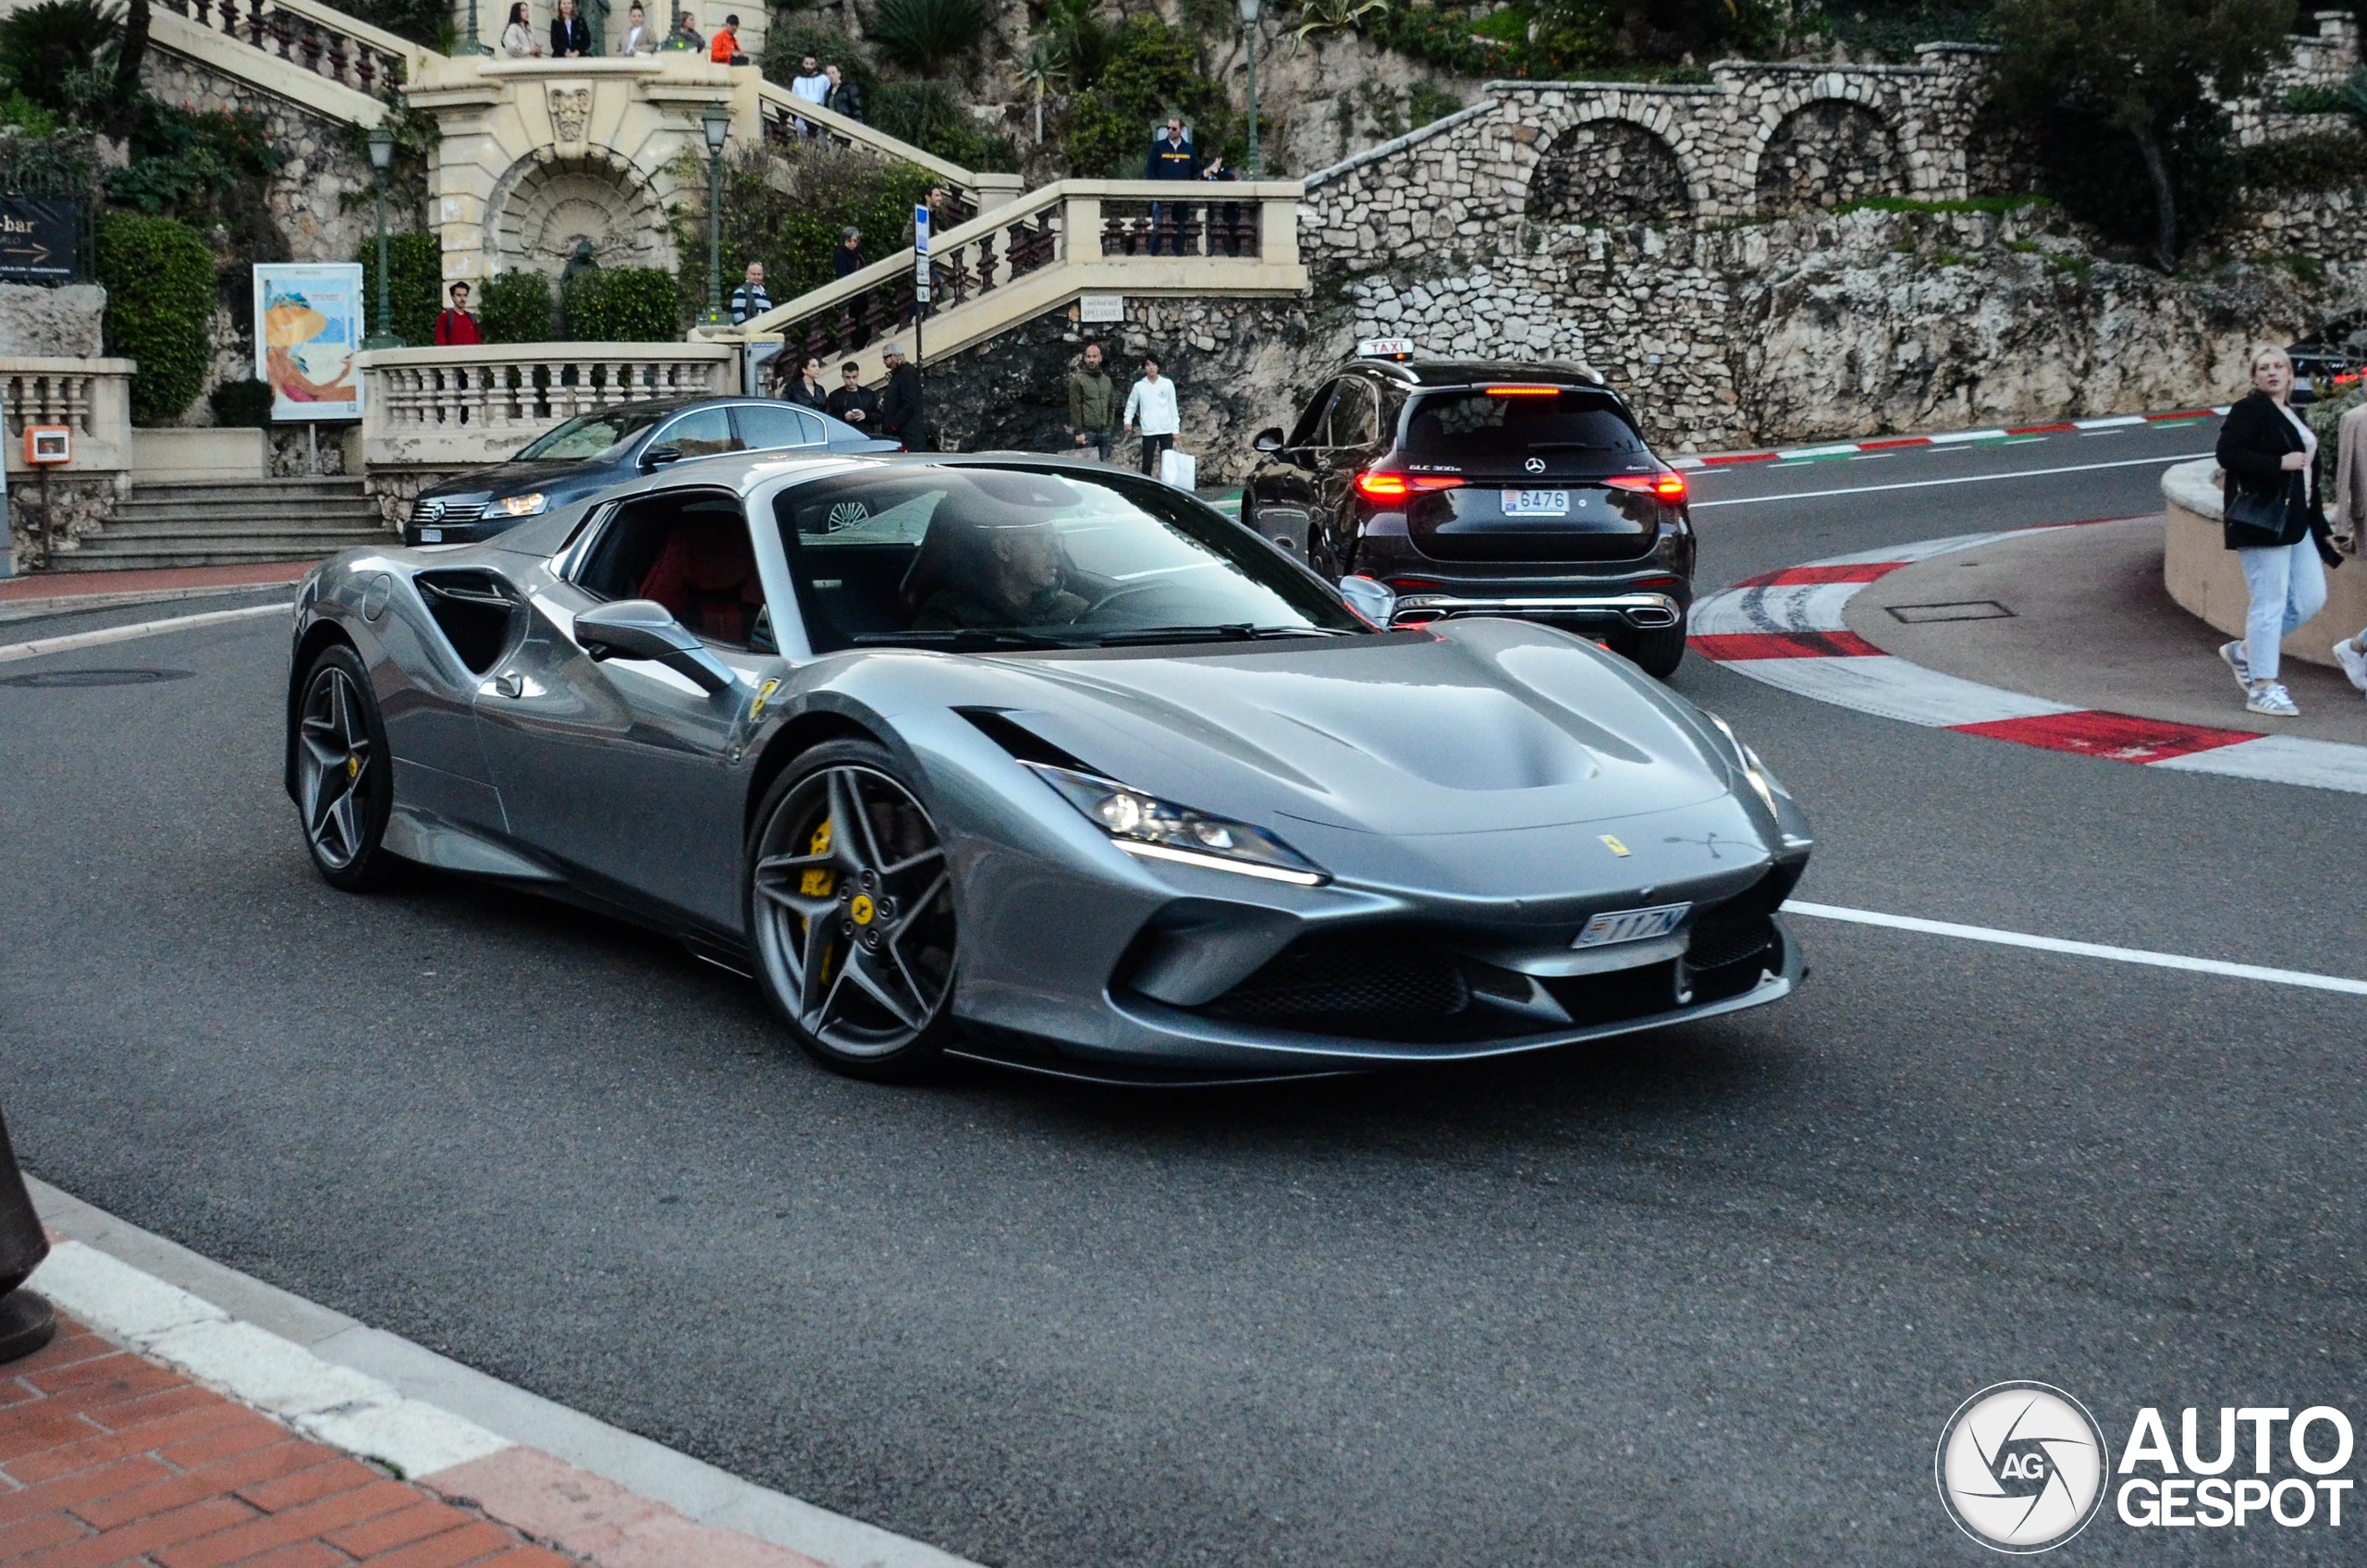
<point x="457" y="328"/>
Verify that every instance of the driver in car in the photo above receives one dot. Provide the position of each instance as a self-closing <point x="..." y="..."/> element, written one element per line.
<point x="1001" y="574"/>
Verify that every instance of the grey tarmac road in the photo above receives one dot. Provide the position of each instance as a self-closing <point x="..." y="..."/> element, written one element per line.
<point x="1701" y="1297"/>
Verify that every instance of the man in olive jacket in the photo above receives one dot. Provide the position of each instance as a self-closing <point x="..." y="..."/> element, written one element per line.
<point x="1093" y="404"/>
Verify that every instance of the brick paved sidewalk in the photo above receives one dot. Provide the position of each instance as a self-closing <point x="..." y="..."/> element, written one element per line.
<point x="159" y="579"/>
<point x="106" y="1457"/>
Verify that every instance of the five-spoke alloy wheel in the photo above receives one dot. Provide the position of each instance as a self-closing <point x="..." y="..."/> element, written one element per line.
<point x="343" y="785"/>
<point x="851" y="906"/>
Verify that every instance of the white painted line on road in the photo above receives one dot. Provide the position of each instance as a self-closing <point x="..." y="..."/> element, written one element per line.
<point x="1958" y="479"/>
<point x="2301" y="977"/>
<point x="106" y="634"/>
<point x="2115" y="422"/>
<point x="1953" y="437"/>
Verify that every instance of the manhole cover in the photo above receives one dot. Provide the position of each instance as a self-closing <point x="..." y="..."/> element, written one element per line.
<point x="1967" y="610"/>
<point x="72" y="677"/>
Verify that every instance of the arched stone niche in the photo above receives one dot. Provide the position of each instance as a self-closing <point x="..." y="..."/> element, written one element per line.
<point x="544" y="206"/>
<point x="1825" y="153"/>
<point x="1609" y="171"/>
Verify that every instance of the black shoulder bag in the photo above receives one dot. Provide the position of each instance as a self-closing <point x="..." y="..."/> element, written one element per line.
<point x="2254" y="521"/>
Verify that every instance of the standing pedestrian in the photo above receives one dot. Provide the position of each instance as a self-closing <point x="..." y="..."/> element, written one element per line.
<point x="1171" y="157"/>
<point x="750" y="298"/>
<point x="518" y="40"/>
<point x="455" y="328"/>
<point x="852" y="401"/>
<point x="900" y="404"/>
<point x="1151" y="407"/>
<point x="639" y="37"/>
<point x="685" y="36"/>
<point x="844" y="96"/>
<point x="810" y="84"/>
<point x="1093" y="404"/>
<point x="571" y="34"/>
<point x="2275" y="520"/>
<point x="807" y="389"/>
<point x="847" y="257"/>
<point x="723" y="49"/>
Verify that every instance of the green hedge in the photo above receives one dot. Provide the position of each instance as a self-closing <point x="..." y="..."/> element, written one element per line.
<point x="415" y="284"/>
<point x="1153" y="71"/>
<point x="624" y="305"/>
<point x="515" y="307"/>
<point x="159" y="279"/>
<point x="793" y="232"/>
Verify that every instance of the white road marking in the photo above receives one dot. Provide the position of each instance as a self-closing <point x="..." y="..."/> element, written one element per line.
<point x="1958" y="479"/>
<point x="2117" y="421"/>
<point x="106" y="634"/>
<point x="2301" y="977"/>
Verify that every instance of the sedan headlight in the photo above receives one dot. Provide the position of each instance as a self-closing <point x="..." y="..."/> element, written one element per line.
<point x="1155" y="829"/>
<point x="523" y="506"/>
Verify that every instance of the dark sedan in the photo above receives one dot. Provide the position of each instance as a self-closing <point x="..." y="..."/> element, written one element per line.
<point x="1485" y="489"/>
<point x="594" y="451"/>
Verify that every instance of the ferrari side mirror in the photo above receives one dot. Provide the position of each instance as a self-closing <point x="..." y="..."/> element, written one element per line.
<point x="1370" y="598"/>
<point x="644" y="629"/>
<point x="1269" y="440"/>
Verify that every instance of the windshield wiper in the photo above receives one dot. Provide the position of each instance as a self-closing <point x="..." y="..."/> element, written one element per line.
<point x="961" y="637"/>
<point x="1224" y="631"/>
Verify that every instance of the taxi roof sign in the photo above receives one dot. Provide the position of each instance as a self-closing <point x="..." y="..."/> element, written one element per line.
<point x="1400" y="349"/>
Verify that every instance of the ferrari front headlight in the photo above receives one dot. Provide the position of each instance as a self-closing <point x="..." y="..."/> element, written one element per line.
<point x="524" y="506"/>
<point x="1144" y="824"/>
<point x="1752" y="768"/>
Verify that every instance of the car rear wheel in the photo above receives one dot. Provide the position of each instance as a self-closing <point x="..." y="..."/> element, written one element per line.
<point x="1658" y="652"/>
<point x="851" y="907"/>
<point x="344" y="773"/>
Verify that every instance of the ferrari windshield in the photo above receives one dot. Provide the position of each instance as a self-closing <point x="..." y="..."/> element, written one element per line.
<point x="591" y="436"/>
<point x="1010" y="557"/>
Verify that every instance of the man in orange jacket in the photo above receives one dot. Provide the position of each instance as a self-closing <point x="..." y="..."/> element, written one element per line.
<point x="724" y="47"/>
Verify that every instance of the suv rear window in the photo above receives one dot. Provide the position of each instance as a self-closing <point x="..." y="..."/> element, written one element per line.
<point x="1476" y="427"/>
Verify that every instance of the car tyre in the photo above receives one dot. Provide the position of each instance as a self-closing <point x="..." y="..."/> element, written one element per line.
<point x="1658" y="652"/>
<point x="851" y="914"/>
<point x="344" y="773"/>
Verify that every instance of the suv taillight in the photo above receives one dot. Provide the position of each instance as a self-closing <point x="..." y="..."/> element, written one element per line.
<point x="1666" y="489"/>
<point x="1382" y="485"/>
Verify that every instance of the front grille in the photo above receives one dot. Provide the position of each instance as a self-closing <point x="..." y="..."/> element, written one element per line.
<point x="448" y="513"/>
<point x="1305" y="985"/>
<point x="1729" y="934"/>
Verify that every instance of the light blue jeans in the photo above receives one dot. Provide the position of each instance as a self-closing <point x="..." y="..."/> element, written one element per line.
<point x="2289" y="586"/>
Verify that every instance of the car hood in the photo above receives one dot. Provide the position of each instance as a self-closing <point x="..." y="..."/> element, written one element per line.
<point x="1468" y="727"/>
<point x="510" y="479"/>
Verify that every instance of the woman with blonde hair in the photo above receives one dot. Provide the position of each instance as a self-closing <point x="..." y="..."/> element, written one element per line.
<point x="2275" y="520"/>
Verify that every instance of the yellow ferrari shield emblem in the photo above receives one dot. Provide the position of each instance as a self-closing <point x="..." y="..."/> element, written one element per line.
<point x="860" y="909"/>
<point x="1611" y="841"/>
<point x="353" y="768"/>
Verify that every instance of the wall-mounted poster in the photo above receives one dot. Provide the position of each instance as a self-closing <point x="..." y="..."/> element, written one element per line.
<point x="308" y="324"/>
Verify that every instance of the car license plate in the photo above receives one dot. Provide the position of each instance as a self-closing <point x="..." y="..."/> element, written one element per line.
<point x="1537" y="503"/>
<point x="1631" y="926"/>
<point x="431" y="536"/>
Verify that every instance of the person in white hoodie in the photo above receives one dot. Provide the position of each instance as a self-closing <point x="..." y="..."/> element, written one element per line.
<point x="1151" y="407"/>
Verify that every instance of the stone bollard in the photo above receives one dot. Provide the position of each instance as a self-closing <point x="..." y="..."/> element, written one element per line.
<point x="26" y="1322"/>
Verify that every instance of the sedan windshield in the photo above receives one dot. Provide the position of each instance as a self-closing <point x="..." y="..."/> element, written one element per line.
<point x="990" y="557"/>
<point x="592" y="435"/>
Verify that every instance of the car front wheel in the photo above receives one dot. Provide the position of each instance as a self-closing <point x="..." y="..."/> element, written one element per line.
<point x="343" y="774"/>
<point x="850" y="909"/>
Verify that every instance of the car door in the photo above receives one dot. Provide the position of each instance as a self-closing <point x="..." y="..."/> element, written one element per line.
<point x="766" y="427"/>
<point x="1280" y="498"/>
<point x="623" y="770"/>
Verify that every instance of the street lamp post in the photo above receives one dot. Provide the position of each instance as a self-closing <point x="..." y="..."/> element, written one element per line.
<point x="382" y="156"/>
<point x="1249" y="10"/>
<point x="716" y="121"/>
<point x="474" y="47"/>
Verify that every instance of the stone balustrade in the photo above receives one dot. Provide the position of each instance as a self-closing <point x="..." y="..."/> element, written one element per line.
<point x="91" y="398"/>
<point x="786" y="119"/>
<point x="454" y="408"/>
<point x="319" y="38"/>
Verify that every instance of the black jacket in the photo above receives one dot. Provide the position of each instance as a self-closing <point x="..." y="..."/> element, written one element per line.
<point x="847" y="99"/>
<point x="841" y="400"/>
<point x="900" y="407"/>
<point x="816" y="397"/>
<point x="2252" y="447"/>
<point x="569" y="35"/>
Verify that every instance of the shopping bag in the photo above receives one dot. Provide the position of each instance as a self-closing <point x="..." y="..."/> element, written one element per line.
<point x="1179" y="469"/>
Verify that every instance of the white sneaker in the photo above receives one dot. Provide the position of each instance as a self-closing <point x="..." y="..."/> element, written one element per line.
<point x="2232" y="655"/>
<point x="2353" y="660"/>
<point x="2274" y="701"/>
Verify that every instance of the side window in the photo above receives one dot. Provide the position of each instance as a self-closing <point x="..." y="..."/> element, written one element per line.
<point x="702" y="433"/>
<point x="690" y="551"/>
<point x="763" y="426"/>
<point x="1309" y="429"/>
<point x="1355" y="416"/>
<point x="816" y="431"/>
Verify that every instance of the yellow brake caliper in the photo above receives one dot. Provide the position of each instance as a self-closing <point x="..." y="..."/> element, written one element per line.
<point x="817" y="883"/>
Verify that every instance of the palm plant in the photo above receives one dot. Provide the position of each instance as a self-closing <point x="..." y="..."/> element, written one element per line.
<point x="1335" y="15"/>
<point x="927" y="35"/>
<point x="1085" y="40"/>
<point x="44" y="47"/>
<point x="1046" y="64"/>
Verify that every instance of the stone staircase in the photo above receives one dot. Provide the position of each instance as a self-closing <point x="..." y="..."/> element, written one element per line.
<point x="232" y="524"/>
